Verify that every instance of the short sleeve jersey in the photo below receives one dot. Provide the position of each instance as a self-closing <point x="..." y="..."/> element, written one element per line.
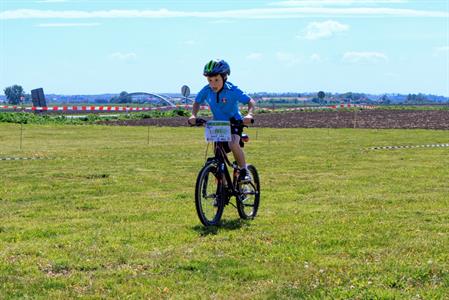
<point x="224" y="104"/>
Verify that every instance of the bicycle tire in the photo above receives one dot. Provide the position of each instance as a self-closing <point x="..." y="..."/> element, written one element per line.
<point x="249" y="196"/>
<point x="209" y="196"/>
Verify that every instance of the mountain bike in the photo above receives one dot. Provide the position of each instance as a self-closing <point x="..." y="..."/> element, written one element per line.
<point x="215" y="186"/>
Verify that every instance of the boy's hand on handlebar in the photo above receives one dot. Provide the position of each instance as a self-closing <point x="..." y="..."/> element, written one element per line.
<point x="192" y="120"/>
<point x="248" y="119"/>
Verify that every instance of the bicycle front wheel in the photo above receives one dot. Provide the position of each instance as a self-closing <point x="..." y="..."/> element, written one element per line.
<point x="249" y="196"/>
<point x="209" y="195"/>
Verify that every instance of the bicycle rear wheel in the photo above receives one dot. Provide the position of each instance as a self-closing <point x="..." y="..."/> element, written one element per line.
<point x="209" y="195"/>
<point x="249" y="196"/>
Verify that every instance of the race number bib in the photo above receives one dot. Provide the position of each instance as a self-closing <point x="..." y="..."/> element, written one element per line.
<point x="218" y="131"/>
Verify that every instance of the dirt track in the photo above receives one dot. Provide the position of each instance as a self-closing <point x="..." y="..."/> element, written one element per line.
<point x="432" y="119"/>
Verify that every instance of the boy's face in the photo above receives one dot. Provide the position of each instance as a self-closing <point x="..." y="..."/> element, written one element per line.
<point x="215" y="82"/>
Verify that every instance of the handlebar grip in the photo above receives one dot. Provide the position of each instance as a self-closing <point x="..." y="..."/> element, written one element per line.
<point x="199" y="122"/>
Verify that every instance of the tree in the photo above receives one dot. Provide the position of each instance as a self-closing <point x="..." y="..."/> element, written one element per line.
<point x="13" y="94"/>
<point x="384" y="99"/>
<point x="347" y="96"/>
<point x="416" y="99"/>
<point x="122" y="98"/>
<point x="321" y="96"/>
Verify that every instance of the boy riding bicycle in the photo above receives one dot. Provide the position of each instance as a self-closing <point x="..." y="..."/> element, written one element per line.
<point x="223" y="99"/>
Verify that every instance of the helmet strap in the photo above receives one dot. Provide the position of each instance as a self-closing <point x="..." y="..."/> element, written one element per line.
<point x="224" y="77"/>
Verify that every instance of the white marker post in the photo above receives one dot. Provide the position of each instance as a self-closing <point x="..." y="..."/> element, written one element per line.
<point x="22" y="98"/>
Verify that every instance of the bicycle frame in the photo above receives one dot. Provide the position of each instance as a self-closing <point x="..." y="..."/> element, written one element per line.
<point x="222" y="161"/>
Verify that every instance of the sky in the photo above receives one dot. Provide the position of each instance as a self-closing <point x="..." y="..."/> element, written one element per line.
<point x="77" y="47"/>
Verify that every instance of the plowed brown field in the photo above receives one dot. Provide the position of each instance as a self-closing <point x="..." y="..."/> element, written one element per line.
<point x="426" y="119"/>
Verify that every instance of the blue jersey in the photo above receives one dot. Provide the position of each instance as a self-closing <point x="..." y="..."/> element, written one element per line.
<point x="224" y="104"/>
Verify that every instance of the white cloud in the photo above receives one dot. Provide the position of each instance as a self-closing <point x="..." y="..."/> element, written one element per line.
<point x="256" y="13"/>
<point x="319" y="30"/>
<point x="364" y="57"/>
<point x="254" y="56"/>
<point x="67" y="24"/>
<point x="293" y="3"/>
<point x="79" y="14"/>
<point x="123" y="56"/>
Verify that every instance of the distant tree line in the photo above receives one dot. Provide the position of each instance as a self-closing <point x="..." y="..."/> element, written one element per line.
<point x="416" y="99"/>
<point x="15" y="93"/>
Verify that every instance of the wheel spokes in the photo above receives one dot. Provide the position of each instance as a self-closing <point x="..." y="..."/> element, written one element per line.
<point x="209" y="205"/>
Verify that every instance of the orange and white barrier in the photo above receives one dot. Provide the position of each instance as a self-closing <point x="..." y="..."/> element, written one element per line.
<point x="185" y="106"/>
<point x="93" y="108"/>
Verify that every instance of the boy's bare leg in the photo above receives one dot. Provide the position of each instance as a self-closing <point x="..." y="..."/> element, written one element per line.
<point x="237" y="151"/>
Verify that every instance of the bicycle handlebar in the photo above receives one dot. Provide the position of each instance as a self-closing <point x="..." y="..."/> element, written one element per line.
<point x="201" y="122"/>
<point x="239" y="122"/>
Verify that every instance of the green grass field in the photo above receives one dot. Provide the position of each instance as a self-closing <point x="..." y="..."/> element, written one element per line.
<point x="110" y="214"/>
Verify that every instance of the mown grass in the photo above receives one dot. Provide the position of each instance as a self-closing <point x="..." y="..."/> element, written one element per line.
<point x="111" y="215"/>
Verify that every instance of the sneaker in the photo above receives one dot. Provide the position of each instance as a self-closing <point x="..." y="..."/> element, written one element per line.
<point x="244" y="176"/>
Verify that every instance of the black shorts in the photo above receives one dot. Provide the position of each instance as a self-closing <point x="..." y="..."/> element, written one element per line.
<point x="235" y="129"/>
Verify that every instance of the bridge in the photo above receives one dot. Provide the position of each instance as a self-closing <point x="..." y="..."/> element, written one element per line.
<point x="151" y="97"/>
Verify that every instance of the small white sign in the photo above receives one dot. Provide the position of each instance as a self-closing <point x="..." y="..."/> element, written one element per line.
<point x="218" y="131"/>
